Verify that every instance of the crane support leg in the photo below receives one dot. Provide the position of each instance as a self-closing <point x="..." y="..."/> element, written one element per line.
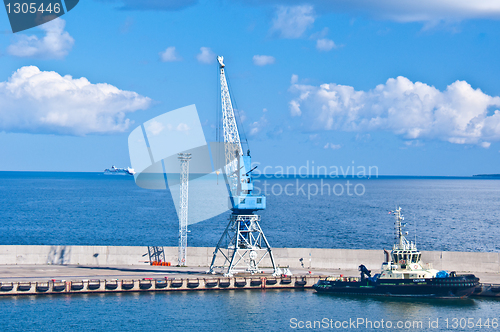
<point x="242" y="247"/>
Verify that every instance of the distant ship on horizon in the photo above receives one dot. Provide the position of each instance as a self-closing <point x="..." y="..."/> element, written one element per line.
<point x="119" y="171"/>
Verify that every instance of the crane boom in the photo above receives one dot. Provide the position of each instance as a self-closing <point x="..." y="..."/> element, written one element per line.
<point x="232" y="142"/>
<point x="238" y="166"/>
<point x="231" y="134"/>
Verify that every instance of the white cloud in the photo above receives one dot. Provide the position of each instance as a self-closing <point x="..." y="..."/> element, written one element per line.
<point x="313" y="137"/>
<point x="254" y="131"/>
<point x="413" y="143"/>
<point x="320" y="34"/>
<point x="170" y="55"/>
<point x="294" y="79"/>
<point x="127" y="25"/>
<point x="325" y="44"/>
<point x="364" y="138"/>
<point x="257" y="126"/>
<point x="154" y="5"/>
<point x="34" y="101"/>
<point x="295" y="108"/>
<point x="293" y="21"/>
<point x="459" y="114"/>
<point x="427" y="10"/>
<point x="155" y="128"/>
<point x="431" y="11"/>
<point x="485" y="144"/>
<point x="262" y="60"/>
<point x="206" y="55"/>
<point x="241" y="114"/>
<point x="332" y="146"/>
<point x="56" y="43"/>
<point x="182" y="127"/>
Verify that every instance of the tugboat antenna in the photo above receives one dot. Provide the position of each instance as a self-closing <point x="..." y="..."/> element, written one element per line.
<point x="403" y="243"/>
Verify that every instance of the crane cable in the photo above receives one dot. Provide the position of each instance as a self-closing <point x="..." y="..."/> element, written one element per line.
<point x="217" y="124"/>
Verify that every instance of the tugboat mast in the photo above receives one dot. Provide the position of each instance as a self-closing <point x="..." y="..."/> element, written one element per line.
<point x="403" y="243"/>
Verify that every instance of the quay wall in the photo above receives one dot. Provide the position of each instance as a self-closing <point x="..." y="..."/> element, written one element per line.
<point x="155" y="285"/>
<point x="313" y="258"/>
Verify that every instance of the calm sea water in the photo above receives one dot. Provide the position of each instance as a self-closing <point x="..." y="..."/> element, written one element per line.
<point x="93" y="209"/>
<point x="271" y="310"/>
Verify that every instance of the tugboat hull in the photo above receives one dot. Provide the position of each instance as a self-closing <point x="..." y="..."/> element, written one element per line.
<point x="452" y="287"/>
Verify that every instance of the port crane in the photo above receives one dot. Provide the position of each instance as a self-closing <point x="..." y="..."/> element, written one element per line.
<point x="243" y="243"/>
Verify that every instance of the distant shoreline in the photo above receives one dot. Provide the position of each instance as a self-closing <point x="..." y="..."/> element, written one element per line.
<point x="487" y="175"/>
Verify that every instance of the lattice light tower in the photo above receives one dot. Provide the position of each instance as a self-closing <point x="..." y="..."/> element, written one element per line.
<point x="183" y="206"/>
<point x="243" y="242"/>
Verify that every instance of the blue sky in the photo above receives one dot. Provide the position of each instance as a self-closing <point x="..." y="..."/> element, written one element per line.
<point x="410" y="89"/>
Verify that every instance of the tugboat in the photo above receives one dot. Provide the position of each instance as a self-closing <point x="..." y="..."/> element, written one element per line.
<point x="402" y="274"/>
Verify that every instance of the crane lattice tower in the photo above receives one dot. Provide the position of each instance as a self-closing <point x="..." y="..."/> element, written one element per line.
<point x="183" y="206"/>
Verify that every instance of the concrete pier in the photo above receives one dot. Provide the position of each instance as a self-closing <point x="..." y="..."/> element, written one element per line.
<point x="98" y="269"/>
<point x="70" y="279"/>
<point x="306" y="258"/>
<point x="152" y="285"/>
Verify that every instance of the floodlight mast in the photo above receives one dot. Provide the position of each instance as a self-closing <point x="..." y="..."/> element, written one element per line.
<point x="183" y="207"/>
<point x="243" y="241"/>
